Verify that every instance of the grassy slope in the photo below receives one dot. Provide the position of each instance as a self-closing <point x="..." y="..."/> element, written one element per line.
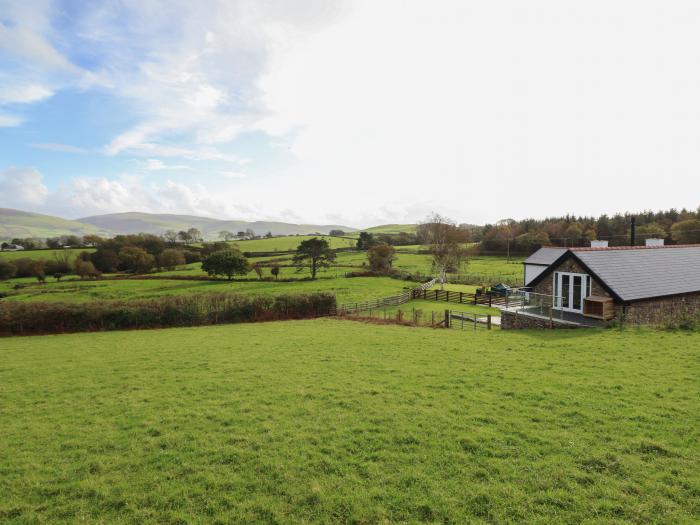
<point x="290" y="243"/>
<point x="42" y="254"/>
<point x="332" y="422"/>
<point x="346" y="290"/>
<point x="15" y="223"/>
<point x="389" y="229"/>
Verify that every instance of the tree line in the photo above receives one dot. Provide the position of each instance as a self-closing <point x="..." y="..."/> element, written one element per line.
<point x="525" y="236"/>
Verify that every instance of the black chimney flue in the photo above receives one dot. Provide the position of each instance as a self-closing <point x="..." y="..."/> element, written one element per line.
<point x="633" y="232"/>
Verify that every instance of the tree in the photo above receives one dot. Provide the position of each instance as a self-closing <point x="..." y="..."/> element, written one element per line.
<point x="315" y="253"/>
<point x="275" y="271"/>
<point x="171" y="237"/>
<point x="104" y="259"/>
<point x="381" y="257"/>
<point x="650" y="231"/>
<point x="365" y="241"/>
<point x="136" y="259"/>
<point x="39" y="271"/>
<point x="336" y="233"/>
<point x="226" y="235"/>
<point x="171" y="258"/>
<point x="249" y="232"/>
<point x="195" y="235"/>
<point x="92" y="240"/>
<point x="686" y="232"/>
<point x="227" y="263"/>
<point x="240" y="234"/>
<point x="445" y="241"/>
<point x="7" y="270"/>
<point x="258" y="270"/>
<point x="184" y="236"/>
<point x="85" y="269"/>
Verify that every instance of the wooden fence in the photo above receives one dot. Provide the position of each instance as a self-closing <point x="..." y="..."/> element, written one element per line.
<point x="394" y="300"/>
<point x="448" y="296"/>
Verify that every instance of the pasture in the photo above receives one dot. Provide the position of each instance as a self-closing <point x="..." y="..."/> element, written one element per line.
<point x="343" y="422"/>
<point x="289" y="243"/>
<point x="345" y="290"/>
<point x="46" y="255"/>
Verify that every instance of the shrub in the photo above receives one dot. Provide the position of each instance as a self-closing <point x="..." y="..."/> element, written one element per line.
<point x="24" y="267"/>
<point x="7" y="270"/>
<point x="381" y="257"/>
<point x="684" y="321"/>
<point x="171" y="258"/>
<point x="85" y="269"/>
<point x="17" y="318"/>
<point x="192" y="257"/>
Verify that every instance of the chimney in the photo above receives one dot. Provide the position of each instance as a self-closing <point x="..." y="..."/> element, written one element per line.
<point x="599" y="244"/>
<point x="633" y="231"/>
<point x="654" y="242"/>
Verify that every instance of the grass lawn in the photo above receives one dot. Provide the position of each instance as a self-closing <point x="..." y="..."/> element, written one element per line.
<point x="343" y="422"/>
<point x="346" y="290"/>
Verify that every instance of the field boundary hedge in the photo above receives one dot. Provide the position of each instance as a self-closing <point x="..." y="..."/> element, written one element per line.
<point x="17" y="318"/>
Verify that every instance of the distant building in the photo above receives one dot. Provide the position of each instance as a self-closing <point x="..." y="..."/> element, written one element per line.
<point x="9" y="247"/>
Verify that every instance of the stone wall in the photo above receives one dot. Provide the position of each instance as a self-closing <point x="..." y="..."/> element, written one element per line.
<point x="570" y="266"/>
<point x="659" y="310"/>
<point x="515" y="321"/>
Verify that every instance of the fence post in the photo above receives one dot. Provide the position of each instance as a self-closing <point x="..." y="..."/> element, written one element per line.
<point x="447" y="296"/>
<point x="447" y="318"/>
<point x="460" y="297"/>
<point x="490" y="296"/>
<point x="488" y="321"/>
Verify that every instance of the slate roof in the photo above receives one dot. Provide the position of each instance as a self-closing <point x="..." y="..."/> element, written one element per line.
<point x="545" y="256"/>
<point x="644" y="272"/>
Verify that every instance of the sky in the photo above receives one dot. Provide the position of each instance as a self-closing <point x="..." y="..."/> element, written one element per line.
<point x="357" y="112"/>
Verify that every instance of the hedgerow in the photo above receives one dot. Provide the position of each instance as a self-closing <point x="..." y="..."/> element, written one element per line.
<point x="18" y="318"/>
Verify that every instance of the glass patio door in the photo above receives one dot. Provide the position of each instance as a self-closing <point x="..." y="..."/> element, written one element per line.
<point x="570" y="289"/>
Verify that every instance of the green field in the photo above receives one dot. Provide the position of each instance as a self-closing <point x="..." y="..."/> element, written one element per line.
<point x="283" y="244"/>
<point x="346" y="290"/>
<point x="346" y="422"/>
<point x="47" y="255"/>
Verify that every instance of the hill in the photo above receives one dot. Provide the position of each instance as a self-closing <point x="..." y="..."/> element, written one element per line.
<point x="133" y="222"/>
<point x="16" y="223"/>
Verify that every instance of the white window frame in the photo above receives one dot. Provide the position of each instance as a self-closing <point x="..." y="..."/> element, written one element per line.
<point x="557" y="301"/>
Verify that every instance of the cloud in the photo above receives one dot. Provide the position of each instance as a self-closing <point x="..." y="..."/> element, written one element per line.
<point x="158" y="165"/>
<point x="62" y="148"/>
<point x="10" y="94"/>
<point x="10" y="121"/>
<point x="84" y="196"/>
<point x="22" y="187"/>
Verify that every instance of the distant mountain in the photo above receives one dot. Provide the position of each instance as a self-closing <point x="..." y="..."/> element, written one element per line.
<point x="133" y="222"/>
<point x="15" y="223"/>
